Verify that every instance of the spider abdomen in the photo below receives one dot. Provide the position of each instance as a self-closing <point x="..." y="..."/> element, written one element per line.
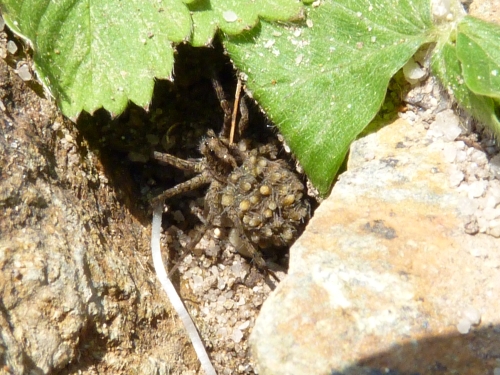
<point x="264" y="199"/>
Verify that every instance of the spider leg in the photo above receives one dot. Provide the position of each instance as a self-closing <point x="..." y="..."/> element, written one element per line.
<point x="190" y="247"/>
<point x="228" y="128"/>
<point x="242" y="244"/>
<point x="243" y="123"/>
<point x="245" y="248"/>
<point x="183" y="187"/>
<point x="186" y="165"/>
<point x="226" y="107"/>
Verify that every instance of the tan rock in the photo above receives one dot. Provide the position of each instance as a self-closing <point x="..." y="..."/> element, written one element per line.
<point x="385" y="277"/>
<point x="488" y="10"/>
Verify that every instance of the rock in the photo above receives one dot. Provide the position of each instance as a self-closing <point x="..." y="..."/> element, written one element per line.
<point x="383" y="279"/>
<point x="77" y="294"/>
<point x="446" y="125"/>
<point x="487" y="10"/>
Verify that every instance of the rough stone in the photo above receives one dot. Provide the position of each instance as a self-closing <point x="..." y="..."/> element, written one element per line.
<point x="383" y="280"/>
<point x="488" y="10"/>
<point x="77" y="294"/>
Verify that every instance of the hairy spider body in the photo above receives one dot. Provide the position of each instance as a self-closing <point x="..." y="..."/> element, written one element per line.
<point x="250" y="190"/>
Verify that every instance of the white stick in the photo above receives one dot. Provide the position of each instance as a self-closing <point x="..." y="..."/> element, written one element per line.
<point x="176" y="301"/>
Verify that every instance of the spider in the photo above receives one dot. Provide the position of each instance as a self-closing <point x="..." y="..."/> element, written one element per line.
<point x="249" y="190"/>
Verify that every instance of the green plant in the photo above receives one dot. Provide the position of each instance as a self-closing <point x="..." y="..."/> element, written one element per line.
<point x="321" y="79"/>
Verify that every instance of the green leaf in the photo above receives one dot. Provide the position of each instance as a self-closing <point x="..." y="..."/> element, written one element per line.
<point x="103" y="53"/>
<point x="447" y="67"/>
<point x="478" y="48"/>
<point x="235" y="16"/>
<point x="322" y="84"/>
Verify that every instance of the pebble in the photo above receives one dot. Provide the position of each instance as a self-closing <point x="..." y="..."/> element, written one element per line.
<point x="494" y="229"/>
<point x="461" y="156"/>
<point x="456" y="177"/>
<point x="450" y="152"/>
<point x="476" y="189"/>
<point x="222" y="332"/>
<point x="178" y="216"/>
<point x="11" y="47"/>
<point x="472" y="314"/>
<point x="237" y="335"/>
<point x="478" y="157"/>
<point x="197" y="282"/>
<point x="490" y="213"/>
<point x="471" y="171"/>
<point x="494" y="192"/>
<point x="463" y="326"/>
<point x="495" y="165"/>
<point x="228" y="304"/>
<point x="24" y="73"/>
<point x="413" y="72"/>
<point x="468" y="206"/>
<point x="490" y="201"/>
<point x="221" y="284"/>
<point x="447" y="125"/>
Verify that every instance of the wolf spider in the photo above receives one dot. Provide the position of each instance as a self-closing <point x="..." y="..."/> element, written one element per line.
<point x="250" y="190"/>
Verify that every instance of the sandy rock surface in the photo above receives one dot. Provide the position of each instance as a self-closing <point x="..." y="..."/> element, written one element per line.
<point x="386" y="277"/>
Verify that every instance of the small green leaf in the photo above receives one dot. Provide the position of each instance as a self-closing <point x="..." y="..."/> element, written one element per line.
<point x="235" y="16"/>
<point x="321" y="84"/>
<point x="103" y="53"/>
<point x="478" y="48"/>
<point x="447" y="67"/>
